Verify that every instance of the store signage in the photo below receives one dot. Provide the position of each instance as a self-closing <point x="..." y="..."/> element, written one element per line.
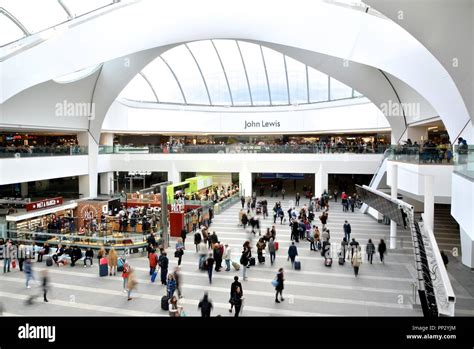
<point x="260" y="124"/>
<point x="38" y="205"/>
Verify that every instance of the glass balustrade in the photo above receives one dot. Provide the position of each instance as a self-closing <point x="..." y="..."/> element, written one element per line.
<point x="38" y="151"/>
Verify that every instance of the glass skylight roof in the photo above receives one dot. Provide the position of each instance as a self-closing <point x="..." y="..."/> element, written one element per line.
<point x="19" y="18"/>
<point x="232" y="73"/>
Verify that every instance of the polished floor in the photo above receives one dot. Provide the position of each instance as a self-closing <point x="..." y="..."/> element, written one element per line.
<point x="316" y="290"/>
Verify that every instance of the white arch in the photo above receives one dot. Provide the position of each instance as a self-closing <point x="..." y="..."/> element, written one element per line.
<point x="305" y="24"/>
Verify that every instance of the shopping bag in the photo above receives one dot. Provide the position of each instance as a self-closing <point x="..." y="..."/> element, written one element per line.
<point x="13" y="264"/>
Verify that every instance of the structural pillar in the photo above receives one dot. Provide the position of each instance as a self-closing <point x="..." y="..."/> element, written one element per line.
<point x="24" y="189"/>
<point x="245" y="180"/>
<point x="88" y="183"/>
<point x="428" y="216"/>
<point x="320" y="181"/>
<point x="106" y="183"/>
<point x="174" y="175"/>
<point x="393" y="176"/>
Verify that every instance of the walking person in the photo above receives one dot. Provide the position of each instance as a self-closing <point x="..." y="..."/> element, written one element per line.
<point x="370" y="250"/>
<point x="197" y="239"/>
<point x="163" y="262"/>
<point x="233" y="287"/>
<point x="206" y="306"/>
<point x="125" y="274"/>
<point x="44" y="284"/>
<point x="292" y="253"/>
<point x="210" y="266"/>
<point x="283" y="194"/>
<point x="280" y="279"/>
<point x="132" y="284"/>
<point x="261" y="245"/>
<point x="237" y="300"/>
<point x="202" y="252"/>
<point x="7" y="259"/>
<point x="272" y="250"/>
<point x="382" y="248"/>
<point x="177" y="278"/>
<point x="245" y="259"/>
<point x="353" y="245"/>
<point x="344" y="248"/>
<point x="153" y="261"/>
<point x="28" y="272"/>
<point x="178" y="253"/>
<point x="183" y="237"/>
<point x="170" y="285"/>
<point x="357" y="260"/>
<point x="347" y="231"/>
<point x="113" y="258"/>
<point x="297" y="199"/>
<point x="227" y="256"/>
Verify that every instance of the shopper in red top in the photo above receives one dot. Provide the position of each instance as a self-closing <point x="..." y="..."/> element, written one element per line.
<point x="125" y="274"/>
<point x="153" y="259"/>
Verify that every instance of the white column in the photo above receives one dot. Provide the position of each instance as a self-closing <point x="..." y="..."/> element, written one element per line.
<point x="106" y="139"/>
<point x="393" y="177"/>
<point x="320" y="181"/>
<point x="428" y="216"/>
<point x="88" y="183"/>
<point x="245" y="180"/>
<point x="174" y="175"/>
<point x="24" y="189"/>
<point x="106" y="183"/>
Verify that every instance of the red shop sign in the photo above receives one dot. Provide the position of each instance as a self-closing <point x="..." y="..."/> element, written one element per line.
<point x="38" y="205"/>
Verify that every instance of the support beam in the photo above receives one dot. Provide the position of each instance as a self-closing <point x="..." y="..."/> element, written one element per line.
<point x="428" y="216"/>
<point x="88" y="183"/>
<point x="393" y="176"/>
<point x="107" y="183"/>
<point x="320" y="181"/>
<point x="24" y="189"/>
<point x="245" y="179"/>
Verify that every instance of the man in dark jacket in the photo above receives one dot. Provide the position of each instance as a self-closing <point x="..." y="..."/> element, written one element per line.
<point x="347" y="231"/>
<point x="217" y="257"/>
<point x="206" y="306"/>
<point x="163" y="263"/>
<point x="292" y="253"/>
<point x="353" y="244"/>
<point x="233" y="287"/>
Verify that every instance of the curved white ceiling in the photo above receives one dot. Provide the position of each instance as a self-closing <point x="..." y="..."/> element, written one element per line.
<point x="310" y="25"/>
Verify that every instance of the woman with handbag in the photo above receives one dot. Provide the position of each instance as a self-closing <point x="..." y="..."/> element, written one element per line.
<point x="279" y="285"/>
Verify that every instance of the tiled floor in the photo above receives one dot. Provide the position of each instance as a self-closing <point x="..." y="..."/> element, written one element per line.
<point x="316" y="290"/>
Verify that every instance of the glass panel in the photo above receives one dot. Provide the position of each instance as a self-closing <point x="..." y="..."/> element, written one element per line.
<point x="276" y="76"/>
<point x="256" y="73"/>
<point x="318" y="86"/>
<point x="208" y="60"/>
<point x="187" y="72"/>
<point x="297" y="81"/>
<point x="340" y="90"/>
<point x="138" y="90"/>
<point x="36" y="15"/>
<point x="9" y="31"/>
<point x="163" y="82"/>
<point x="80" y="7"/>
<point x="232" y="62"/>
<point x="357" y="94"/>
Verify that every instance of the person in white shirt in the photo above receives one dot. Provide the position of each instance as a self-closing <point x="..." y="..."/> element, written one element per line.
<point x="227" y="256"/>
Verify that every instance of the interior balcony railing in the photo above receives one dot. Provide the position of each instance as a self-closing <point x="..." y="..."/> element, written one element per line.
<point x="244" y="148"/>
<point x="464" y="161"/>
<point x="441" y="155"/>
<point x="38" y="151"/>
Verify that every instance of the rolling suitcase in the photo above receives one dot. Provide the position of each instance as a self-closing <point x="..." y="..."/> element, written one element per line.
<point x="261" y="259"/>
<point x="252" y="261"/>
<point x="164" y="303"/>
<point x="341" y="260"/>
<point x="236" y="266"/>
<point x="328" y="262"/>
<point x="120" y="265"/>
<point x="103" y="270"/>
<point x="153" y="276"/>
<point x="49" y="262"/>
<point x="297" y="265"/>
